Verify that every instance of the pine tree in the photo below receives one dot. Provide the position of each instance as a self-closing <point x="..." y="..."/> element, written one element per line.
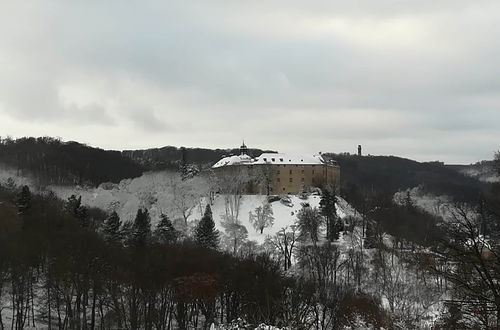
<point x="141" y="230"/>
<point x="73" y="204"/>
<point x="328" y="209"/>
<point x="75" y="208"/>
<point x="111" y="229"/>
<point x="205" y="233"/>
<point x="23" y="200"/>
<point x="165" y="231"/>
<point x="127" y="233"/>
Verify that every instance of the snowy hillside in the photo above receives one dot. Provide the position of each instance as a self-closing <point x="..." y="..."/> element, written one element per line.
<point x="284" y="215"/>
<point x="483" y="171"/>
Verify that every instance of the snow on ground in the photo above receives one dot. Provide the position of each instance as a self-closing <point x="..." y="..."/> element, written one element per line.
<point x="9" y="177"/>
<point x="482" y="172"/>
<point x="157" y="192"/>
<point x="284" y="215"/>
<point x="436" y="205"/>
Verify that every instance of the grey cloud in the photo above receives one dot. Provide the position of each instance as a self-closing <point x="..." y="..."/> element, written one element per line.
<point x="334" y="73"/>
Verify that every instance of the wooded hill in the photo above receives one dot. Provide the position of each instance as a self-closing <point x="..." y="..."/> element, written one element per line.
<point x="52" y="161"/>
<point x="391" y="174"/>
<point x="171" y="157"/>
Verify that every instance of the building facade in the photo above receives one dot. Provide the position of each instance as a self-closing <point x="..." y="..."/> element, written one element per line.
<point x="278" y="173"/>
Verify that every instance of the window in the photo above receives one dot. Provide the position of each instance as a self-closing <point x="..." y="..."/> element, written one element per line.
<point x="281" y="159"/>
<point x="290" y="171"/>
<point x="273" y="159"/>
<point x="313" y="171"/>
<point x="302" y="171"/>
<point x="302" y="179"/>
<point x="278" y="172"/>
<point x="278" y="179"/>
<point x="265" y="159"/>
<point x="283" y="189"/>
<point x="291" y="180"/>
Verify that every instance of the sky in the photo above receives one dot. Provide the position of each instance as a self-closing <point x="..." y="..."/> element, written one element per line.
<point x="413" y="78"/>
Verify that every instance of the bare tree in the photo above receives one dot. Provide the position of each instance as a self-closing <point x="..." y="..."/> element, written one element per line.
<point x="184" y="197"/>
<point x="235" y="235"/>
<point x="475" y="261"/>
<point x="266" y="178"/>
<point x="284" y="242"/>
<point x="232" y="186"/>
<point x="262" y="217"/>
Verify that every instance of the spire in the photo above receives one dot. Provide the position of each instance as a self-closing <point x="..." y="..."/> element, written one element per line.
<point x="243" y="149"/>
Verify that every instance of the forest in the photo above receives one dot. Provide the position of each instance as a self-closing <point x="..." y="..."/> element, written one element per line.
<point x="52" y="161"/>
<point x="385" y="264"/>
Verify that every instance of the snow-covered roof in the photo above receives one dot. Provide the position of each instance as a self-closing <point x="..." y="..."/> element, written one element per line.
<point x="271" y="158"/>
<point x="283" y="159"/>
<point x="233" y="160"/>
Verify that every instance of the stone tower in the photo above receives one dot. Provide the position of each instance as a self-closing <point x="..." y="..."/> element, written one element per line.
<point x="243" y="149"/>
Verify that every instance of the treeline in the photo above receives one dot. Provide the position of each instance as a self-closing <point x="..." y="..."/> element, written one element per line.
<point x="52" y="161"/>
<point x="172" y="157"/>
<point x="392" y="174"/>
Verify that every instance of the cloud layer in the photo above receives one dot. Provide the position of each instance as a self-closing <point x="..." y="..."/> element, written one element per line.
<point x="416" y="78"/>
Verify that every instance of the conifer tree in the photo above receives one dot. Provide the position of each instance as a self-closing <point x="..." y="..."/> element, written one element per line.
<point x="205" y="233"/>
<point x="127" y="233"/>
<point x="23" y="200"/>
<point x="111" y="229"/>
<point x="75" y="208"/>
<point x="141" y="230"/>
<point x="73" y="204"/>
<point x="328" y="209"/>
<point x="165" y="231"/>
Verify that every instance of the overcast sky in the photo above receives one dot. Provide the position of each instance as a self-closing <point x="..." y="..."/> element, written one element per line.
<point x="414" y="78"/>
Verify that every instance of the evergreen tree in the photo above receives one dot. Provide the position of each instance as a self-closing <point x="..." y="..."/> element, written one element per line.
<point x="205" y="233"/>
<point x="75" y="208"/>
<point x="328" y="209"/>
<point x="127" y="233"/>
<point x="23" y="200"/>
<point x="141" y="230"/>
<point x="165" y="231"/>
<point x="73" y="204"/>
<point x="111" y="229"/>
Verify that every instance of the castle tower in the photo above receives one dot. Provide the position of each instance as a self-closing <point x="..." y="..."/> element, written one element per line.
<point x="243" y="149"/>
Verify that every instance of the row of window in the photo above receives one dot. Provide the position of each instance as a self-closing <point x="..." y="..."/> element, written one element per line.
<point x="302" y="172"/>
<point x="281" y="160"/>
<point x="290" y="180"/>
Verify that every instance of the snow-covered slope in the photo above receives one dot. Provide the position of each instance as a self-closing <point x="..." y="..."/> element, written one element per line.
<point x="11" y="177"/>
<point x="284" y="215"/>
<point x="484" y="172"/>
